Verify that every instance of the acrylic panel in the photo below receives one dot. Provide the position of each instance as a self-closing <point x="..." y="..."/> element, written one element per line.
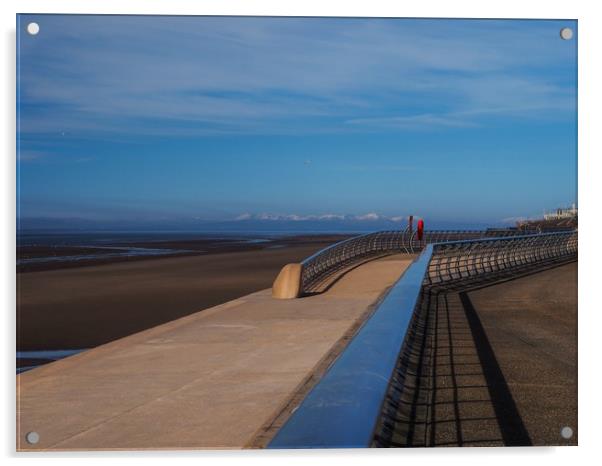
<point x="294" y="232"/>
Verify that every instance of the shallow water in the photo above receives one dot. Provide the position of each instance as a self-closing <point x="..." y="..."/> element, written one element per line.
<point x="45" y="356"/>
<point x="117" y="243"/>
<point x="125" y="252"/>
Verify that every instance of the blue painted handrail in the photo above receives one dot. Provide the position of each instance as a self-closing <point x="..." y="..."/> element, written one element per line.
<point x="342" y="410"/>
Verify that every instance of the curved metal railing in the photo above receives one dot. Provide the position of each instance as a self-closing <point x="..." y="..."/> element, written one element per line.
<point x="461" y="262"/>
<point x="344" y="408"/>
<point x="326" y="263"/>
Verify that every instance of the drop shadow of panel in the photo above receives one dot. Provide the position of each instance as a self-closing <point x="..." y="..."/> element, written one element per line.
<point x="512" y="428"/>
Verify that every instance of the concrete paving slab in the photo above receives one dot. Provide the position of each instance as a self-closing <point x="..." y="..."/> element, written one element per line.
<point x="212" y="379"/>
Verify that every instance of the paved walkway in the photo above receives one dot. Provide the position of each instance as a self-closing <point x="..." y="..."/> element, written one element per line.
<point x="214" y="379"/>
<point x="497" y="366"/>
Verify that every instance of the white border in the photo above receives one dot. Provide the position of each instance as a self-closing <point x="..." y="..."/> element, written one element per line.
<point x="590" y="323"/>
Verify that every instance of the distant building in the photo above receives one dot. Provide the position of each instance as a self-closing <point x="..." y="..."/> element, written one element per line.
<point x="561" y="219"/>
<point x="561" y="213"/>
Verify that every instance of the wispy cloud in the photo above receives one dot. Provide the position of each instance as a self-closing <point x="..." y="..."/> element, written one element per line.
<point x="40" y="156"/>
<point x="425" y="121"/>
<point x="29" y="155"/>
<point x="344" y="167"/>
<point x="195" y="76"/>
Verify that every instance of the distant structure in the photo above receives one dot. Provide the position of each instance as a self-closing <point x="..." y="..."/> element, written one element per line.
<point x="561" y="213"/>
<point x="561" y="219"/>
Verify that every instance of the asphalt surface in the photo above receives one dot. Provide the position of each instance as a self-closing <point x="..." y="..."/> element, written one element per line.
<point x="495" y="366"/>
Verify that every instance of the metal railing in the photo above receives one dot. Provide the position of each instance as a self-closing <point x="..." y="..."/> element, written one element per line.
<point x="460" y="263"/>
<point x="329" y="261"/>
<point x="344" y="407"/>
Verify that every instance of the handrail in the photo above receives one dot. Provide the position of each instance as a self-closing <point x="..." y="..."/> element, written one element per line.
<point x="339" y="256"/>
<point x="343" y="408"/>
<point x="459" y="263"/>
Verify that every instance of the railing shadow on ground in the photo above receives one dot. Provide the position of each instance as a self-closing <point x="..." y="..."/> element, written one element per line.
<point x="512" y="428"/>
<point x="404" y="422"/>
<point x="430" y="403"/>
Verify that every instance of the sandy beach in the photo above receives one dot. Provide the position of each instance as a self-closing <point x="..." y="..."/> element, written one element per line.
<point x="85" y="306"/>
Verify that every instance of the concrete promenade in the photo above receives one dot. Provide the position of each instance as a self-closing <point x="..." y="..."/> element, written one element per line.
<point x="220" y="378"/>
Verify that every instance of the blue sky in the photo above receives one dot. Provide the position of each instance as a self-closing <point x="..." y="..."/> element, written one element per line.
<point x="167" y="118"/>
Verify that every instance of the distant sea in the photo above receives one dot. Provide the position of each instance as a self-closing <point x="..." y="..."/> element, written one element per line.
<point x="107" y="237"/>
<point x="108" y="244"/>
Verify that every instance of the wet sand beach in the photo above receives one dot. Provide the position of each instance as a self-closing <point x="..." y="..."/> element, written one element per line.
<point x="38" y="257"/>
<point x="85" y="306"/>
